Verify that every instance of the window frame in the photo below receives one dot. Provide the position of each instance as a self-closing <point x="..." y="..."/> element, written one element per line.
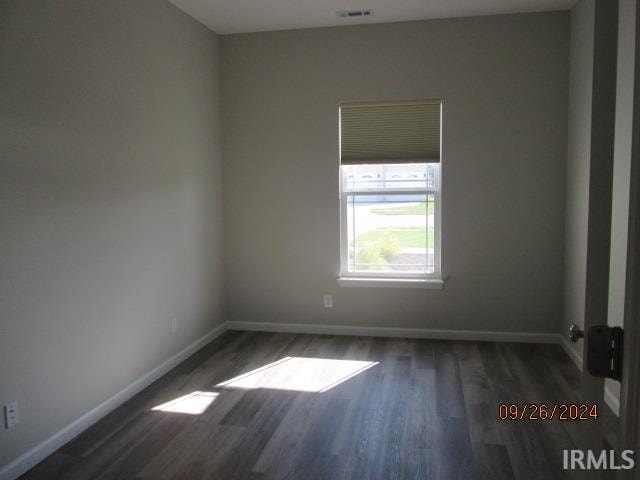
<point x="345" y="193"/>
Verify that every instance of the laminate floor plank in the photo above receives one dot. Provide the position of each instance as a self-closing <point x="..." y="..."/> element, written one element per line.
<point x="377" y="409"/>
<point x="450" y="400"/>
<point x="57" y="465"/>
<point x="279" y="453"/>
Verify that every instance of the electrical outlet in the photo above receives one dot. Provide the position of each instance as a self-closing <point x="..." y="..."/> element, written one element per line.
<point x="174" y="325"/>
<point x="11" y="414"/>
<point x="328" y="301"/>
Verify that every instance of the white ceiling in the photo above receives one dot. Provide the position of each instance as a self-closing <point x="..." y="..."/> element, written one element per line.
<point x="239" y="16"/>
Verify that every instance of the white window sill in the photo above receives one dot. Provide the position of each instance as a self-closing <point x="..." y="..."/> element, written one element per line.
<point x="429" y="283"/>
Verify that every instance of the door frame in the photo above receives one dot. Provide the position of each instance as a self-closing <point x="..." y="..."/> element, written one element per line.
<point x="629" y="439"/>
<point x="600" y="190"/>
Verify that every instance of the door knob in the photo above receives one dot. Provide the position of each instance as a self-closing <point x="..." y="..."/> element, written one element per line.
<point x="575" y="333"/>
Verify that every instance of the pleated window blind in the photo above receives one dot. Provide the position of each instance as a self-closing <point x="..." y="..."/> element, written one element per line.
<point x="390" y="132"/>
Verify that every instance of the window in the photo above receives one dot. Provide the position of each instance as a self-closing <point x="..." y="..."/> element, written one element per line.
<point x="390" y="190"/>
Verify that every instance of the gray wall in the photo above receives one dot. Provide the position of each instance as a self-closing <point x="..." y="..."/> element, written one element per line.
<point x="109" y="201"/>
<point x="621" y="168"/>
<point x="504" y="83"/>
<point x="578" y="155"/>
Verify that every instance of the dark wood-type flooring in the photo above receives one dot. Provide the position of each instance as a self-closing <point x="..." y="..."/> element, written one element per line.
<point x="427" y="410"/>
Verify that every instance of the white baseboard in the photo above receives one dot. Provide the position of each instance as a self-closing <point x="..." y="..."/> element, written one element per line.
<point x="41" y="451"/>
<point x="395" y="332"/>
<point x="610" y="398"/>
<point x="571" y="352"/>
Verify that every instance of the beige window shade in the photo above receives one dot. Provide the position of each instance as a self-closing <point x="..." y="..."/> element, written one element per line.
<point x="390" y="132"/>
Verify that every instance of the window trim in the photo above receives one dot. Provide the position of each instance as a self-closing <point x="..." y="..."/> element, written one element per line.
<point x="376" y="276"/>
<point x="425" y="283"/>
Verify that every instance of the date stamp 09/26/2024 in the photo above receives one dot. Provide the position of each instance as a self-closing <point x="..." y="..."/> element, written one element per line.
<point x="545" y="412"/>
<point x="571" y="459"/>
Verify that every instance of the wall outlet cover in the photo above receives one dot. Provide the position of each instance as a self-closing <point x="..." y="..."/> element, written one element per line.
<point x="11" y="414"/>
<point x="328" y="300"/>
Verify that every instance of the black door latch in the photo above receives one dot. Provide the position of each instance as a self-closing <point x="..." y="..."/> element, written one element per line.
<point x="604" y="351"/>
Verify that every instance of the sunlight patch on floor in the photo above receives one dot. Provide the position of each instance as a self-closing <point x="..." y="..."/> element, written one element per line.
<point x="193" y="403"/>
<point x="300" y="374"/>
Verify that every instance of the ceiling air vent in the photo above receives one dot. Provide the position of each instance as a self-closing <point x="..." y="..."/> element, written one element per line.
<point x="355" y="13"/>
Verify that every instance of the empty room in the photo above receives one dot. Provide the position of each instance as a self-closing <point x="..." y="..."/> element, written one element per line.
<point x="318" y="240"/>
